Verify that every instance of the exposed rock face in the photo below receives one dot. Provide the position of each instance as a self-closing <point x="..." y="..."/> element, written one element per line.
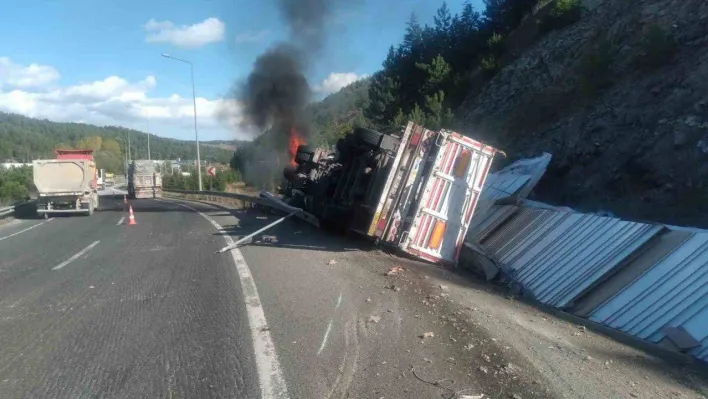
<point x="626" y="136"/>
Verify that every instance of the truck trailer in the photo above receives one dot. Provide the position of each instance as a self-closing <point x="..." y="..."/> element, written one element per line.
<point x="414" y="190"/>
<point x="143" y="180"/>
<point x="67" y="184"/>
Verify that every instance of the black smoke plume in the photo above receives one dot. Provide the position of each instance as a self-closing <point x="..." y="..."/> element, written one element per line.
<point x="276" y="93"/>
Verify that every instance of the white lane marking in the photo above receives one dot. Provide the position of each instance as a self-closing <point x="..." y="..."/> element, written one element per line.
<point x="339" y="301"/>
<point x="29" y="228"/>
<point x="326" y="336"/>
<point x="329" y="325"/>
<point x="269" y="372"/>
<point x="120" y="221"/>
<point x="76" y="256"/>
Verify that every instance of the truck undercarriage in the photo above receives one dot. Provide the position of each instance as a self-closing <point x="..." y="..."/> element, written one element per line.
<point x="415" y="190"/>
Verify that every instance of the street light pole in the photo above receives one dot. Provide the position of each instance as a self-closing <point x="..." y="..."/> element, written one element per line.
<point x="125" y="153"/>
<point x="194" y="100"/>
<point x="147" y="118"/>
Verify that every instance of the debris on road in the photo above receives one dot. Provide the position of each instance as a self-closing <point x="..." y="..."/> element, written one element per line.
<point x="394" y="271"/>
<point x="374" y="319"/>
<point x="428" y="334"/>
<point x="393" y="287"/>
<point x="332" y="262"/>
<point x="262" y="229"/>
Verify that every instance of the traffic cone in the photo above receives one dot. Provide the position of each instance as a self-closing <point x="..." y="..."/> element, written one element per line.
<point x="131" y="217"/>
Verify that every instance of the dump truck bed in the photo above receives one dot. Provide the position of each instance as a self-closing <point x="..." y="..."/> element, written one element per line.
<point x="65" y="185"/>
<point x="63" y="176"/>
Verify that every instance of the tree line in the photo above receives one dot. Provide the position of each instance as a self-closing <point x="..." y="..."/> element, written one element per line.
<point x="427" y="76"/>
<point x="23" y="139"/>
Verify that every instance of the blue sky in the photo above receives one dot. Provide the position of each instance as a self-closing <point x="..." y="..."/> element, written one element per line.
<point x="84" y="60"/>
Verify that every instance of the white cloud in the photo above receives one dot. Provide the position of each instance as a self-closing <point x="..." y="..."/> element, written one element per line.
<point x="105" y="102"/>
<point x="18" y="76"/>
<point x="337" y="81"/>
<point x="208" y="31"/>
<point x="252" y="37"/>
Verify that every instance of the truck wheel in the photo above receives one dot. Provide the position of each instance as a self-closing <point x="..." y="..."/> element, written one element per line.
<point x="368" y="136"/>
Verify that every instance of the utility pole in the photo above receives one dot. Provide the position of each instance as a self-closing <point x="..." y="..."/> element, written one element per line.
<point x="194" y="99"/>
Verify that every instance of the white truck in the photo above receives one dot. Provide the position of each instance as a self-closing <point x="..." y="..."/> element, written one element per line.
<point x="143" y="180"/>
<point x="67" y="184"/>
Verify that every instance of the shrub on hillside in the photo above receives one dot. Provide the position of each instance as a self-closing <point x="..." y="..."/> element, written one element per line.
<point x="490" y="65"/>
<point x="657" y="47"/>
<point x="564" y="13"/>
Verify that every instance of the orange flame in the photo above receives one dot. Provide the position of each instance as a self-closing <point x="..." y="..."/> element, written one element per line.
<point x="295" y="140"/>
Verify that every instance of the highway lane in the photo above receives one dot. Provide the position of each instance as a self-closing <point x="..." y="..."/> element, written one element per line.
<point x="150" y="311"/>
<point x="146" y="312"/>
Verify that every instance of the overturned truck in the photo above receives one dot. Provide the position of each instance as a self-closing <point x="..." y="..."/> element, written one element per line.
<point x="416" y="190"/>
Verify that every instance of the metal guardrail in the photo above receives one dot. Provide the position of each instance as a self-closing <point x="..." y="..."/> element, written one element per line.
<point x="7" y="211"/>
<point x="264" y="199"/>
<point x="10" y="210"/>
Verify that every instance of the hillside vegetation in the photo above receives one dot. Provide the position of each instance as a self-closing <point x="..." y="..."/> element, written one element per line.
<point x="23" y="139"/>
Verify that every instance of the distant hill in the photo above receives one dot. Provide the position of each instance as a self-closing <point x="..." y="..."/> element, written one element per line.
<point x="24" y="139"/>
<point x="230" y="145"/>
<point x="339" y="112"/>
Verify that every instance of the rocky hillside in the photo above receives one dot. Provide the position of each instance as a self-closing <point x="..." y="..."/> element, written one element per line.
<point x="620" y="98"/>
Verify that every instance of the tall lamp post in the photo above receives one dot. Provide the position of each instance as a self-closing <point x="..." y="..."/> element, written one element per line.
<point x="125" y="169"/>
<point x="147" y="118"/>
<point x="194" y="99"/>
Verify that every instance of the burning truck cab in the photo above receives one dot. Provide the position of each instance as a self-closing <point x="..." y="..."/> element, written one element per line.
<point x="415" y="190"/>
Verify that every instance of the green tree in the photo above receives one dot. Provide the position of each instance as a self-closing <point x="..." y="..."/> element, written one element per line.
<point x="92" y="142"/>
<point x="112" y="146"/>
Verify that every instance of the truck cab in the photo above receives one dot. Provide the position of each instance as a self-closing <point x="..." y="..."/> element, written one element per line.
<point x="101" y="178"/>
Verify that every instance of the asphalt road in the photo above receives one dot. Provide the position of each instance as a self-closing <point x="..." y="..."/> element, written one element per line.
<point x="91" y="307"/>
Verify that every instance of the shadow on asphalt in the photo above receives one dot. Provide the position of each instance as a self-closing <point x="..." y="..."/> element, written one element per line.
<point x="291" y="234"/>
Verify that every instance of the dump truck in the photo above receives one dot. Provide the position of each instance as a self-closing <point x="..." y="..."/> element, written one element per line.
<point x="414" y="190"/>
<point x="67" y="184"/>
<point x="143" y="180"/>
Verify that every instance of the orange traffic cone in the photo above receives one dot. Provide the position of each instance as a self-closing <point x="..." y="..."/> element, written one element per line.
<point x="131" y="217"/>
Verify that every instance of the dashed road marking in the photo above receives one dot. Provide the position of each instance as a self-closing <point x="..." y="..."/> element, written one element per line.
<point x="329" y="325"/>
<point x="326" y="337"/>
<point x="120" y="221"/>
<point x="27" y="229"/>
<point x="76" y="256"/>
<point x="270" y="374"/>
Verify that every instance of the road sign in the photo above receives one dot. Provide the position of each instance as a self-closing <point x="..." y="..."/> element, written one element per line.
<point x="211" y="171"/>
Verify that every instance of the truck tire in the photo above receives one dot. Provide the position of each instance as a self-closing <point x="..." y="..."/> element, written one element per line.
<point x="367" y="136"/>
